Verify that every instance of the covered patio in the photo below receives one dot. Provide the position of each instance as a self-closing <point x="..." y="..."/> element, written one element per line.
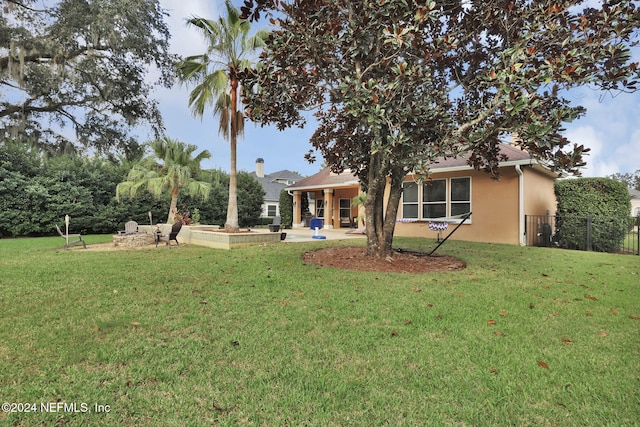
<point x="328" y="200"/>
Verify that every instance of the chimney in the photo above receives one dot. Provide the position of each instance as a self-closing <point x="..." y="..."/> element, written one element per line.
<point x="260" y="167"/>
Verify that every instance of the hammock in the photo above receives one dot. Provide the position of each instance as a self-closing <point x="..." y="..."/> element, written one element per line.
<point x="462" y="217"/>
<point x="442" y="223"/>
<point x="439" y="220"/>
<point x="438" y="226"/>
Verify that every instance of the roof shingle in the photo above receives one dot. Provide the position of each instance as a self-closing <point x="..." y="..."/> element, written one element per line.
<point x="325" y="178"/>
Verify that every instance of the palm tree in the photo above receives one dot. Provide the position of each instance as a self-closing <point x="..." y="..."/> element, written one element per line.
<point x="215" y="75"/>
<point x="172" y="167"/>
<point x="357" y="201"/>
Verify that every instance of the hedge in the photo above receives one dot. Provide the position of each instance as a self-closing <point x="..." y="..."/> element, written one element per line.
<point x="602" y="203"/>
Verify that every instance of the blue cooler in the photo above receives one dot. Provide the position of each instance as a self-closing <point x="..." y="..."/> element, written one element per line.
<point x="315" y="223"/>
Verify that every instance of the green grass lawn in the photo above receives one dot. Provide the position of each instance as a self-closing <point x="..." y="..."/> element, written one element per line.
<point x="198" y="337"/>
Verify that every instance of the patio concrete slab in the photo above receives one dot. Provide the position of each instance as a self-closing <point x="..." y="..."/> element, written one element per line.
<point x="306" y="235"/>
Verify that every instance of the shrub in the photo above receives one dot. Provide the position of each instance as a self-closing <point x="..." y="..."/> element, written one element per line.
<point x="250" y="200"/>
<point x="37" y="192"/>
<point x="286" y="208"/>
<point x="592" y="213"/>
<point x="213" y="211"/>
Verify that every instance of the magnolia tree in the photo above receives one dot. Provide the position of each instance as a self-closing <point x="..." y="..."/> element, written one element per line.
<point x="397" y="84"/>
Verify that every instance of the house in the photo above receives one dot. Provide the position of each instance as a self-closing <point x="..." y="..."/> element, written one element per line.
<point x="635" y="202"/>
<point x="273" y="184"/>
<point x="329" y="190"/>
<point x="525" y="187"/>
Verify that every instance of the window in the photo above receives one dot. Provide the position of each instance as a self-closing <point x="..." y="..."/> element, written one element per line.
<point x="440" y="198"/>
<point x="271" y="210"/>
<point x="410" y="200"/>
<point x="460" y="196"/>
<point x="434" y="194"/>
<point x="345" y="208"/>
<point x="320" y="208"/>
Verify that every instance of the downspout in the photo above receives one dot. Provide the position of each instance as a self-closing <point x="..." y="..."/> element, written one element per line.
<point x="520" y="205"/>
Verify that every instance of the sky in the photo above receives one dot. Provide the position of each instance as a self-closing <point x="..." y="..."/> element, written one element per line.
<point x="611" y="127"/>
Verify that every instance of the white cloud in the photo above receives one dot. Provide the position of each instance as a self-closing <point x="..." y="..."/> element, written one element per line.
<point x="599" y="160"/>
<point x="610" y="128"/>
<point x="187" y="41"/>
<point x="589" y="137"/>
<point x="628" y="154"/>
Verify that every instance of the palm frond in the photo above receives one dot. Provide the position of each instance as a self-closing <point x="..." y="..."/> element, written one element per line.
<point x="198" y="189"/>
<point x="202" y="156"/>
<point x="157" y="185"/>
<point x="255" y="42"/>
<point x="207" y="27"/>
<point x="233" y="16"/>
<point x="238" y="124"/>
<point x="200" y="98"/>
<point x="123" y="190"/>
<point x="225" y="122"/>
<point x="192" y="69"/>
<point x="228" y="42"/>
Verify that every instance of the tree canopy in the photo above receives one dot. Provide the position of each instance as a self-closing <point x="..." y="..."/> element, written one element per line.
<point x="37" y="191"/>
<point x="632" y="180"/>
<point x="398" y="84"/>
<point x="171" y="168"/>
<point x="83" y="64"/>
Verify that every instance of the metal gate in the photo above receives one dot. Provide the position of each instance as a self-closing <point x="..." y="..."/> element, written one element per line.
<point x="590" y="233"/>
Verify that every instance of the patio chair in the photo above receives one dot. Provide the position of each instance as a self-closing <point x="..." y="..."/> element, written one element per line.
<point x="345" y="221"/>
<point x="275" y="225"/>
<point x="130" y="227"/>
<point x="175" y="229"/>
<point x="68" y="241"/>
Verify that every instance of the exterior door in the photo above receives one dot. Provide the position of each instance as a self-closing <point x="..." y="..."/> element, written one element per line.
<point x="345" y="212"/>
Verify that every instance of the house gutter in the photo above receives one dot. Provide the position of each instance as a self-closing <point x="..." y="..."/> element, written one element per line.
<point x="520" y="204"/>
<point x="321" y="187"/>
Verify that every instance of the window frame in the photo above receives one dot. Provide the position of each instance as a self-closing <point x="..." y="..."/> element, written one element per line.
<point x="425" y="203"/>
<point x="341" y="208"/>
<point x="415" y="203"/>
<point x="459" y="202"/>
<point x="449" y="202"/>
<point x="319" y="208"/>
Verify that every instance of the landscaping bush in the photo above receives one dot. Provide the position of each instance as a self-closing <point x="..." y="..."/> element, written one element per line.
<point x="250" y="200"/>
<point x="286" y="208"/>
<point x="37" y="192"/>
<point x="593" y="213"/>
<point x="213" y="211"/>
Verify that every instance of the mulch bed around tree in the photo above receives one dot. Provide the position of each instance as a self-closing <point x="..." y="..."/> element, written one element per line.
<point x="354" y="258"/>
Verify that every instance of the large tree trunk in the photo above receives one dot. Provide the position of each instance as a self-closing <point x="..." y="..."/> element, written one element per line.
<point x="232" y="208"/>
<point x="381" y="222"/>
<point x="173" y="207"/>
<point x="373" y="209"/>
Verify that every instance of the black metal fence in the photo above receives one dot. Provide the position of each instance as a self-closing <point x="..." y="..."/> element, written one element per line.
<point x="591" y="233"/>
